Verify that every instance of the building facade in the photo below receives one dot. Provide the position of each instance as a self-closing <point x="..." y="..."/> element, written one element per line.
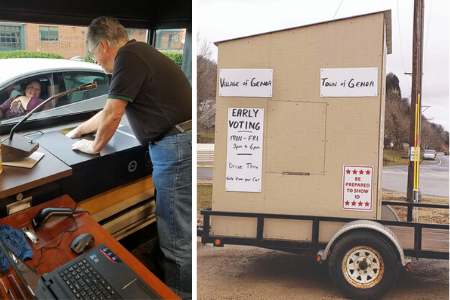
<point x="69" y="41"/>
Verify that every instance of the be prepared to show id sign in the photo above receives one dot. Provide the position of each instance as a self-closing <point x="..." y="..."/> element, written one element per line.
<point x="357" y="185"/>
<point x="349" y="82"/>
<point x="246" y="83"/>
<point x="244" y="149"/>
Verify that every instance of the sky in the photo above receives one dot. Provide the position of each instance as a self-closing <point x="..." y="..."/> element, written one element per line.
<point x="218" y="20"/>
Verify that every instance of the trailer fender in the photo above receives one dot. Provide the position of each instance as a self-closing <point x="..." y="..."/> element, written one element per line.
<point x="370" y="225"/>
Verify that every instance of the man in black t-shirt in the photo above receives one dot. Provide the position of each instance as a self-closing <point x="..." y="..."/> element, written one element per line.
<point x="157" y="98"/>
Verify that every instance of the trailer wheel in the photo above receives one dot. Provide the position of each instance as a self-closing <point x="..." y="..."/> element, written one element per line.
<point x="363" y="265"/>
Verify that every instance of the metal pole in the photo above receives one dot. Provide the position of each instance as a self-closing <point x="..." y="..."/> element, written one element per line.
<point x="416" y="91"/>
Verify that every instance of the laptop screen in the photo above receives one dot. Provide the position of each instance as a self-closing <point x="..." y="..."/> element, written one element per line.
<point x="28" y="276"/>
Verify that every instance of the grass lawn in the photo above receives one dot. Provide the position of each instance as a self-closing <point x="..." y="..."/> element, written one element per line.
<point x="395" y="157"/>
<point x="204" y="197"/>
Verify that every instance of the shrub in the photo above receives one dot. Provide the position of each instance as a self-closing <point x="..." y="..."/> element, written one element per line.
<point x="87" y="58"/>
<point x="175" y="56"/>
<point x="28" y="54"/>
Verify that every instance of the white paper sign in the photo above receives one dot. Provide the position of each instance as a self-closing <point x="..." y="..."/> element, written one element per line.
<point x="349" y="82"/>
<point x="412" y="153"/>
<point x="246" y="83"/>
<point x="244" y="149"/>
<point x="357" y="187"/>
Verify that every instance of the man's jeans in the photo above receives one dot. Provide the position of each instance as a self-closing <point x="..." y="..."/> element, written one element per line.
<point x="172" y="177"/>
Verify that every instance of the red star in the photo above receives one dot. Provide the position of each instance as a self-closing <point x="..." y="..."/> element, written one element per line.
<point x="367" y="172"/>
<point x="361" y="172"/>
<point x="347" y="203"/>
<point x="360" y="203"/>
<point x="353" y="203"/>
<point x="367" y="203"/>
<point x="348" y="171"/>
<point x="355" y="172"/>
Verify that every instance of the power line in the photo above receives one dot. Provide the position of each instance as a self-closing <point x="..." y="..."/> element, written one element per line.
<point x="338" y="9"/>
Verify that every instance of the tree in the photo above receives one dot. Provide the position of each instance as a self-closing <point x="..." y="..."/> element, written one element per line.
<point x="206" y="72"/>
<point x="397" y="121"/>
<point x="396" y="127"/>
<point x="393" y="84"/>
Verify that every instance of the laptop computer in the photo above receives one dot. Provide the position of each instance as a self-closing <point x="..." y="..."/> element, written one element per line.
<point x="96" y="274"/>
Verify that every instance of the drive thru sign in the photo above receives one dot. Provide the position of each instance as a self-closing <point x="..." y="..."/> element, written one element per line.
<point x="357" y="187"/>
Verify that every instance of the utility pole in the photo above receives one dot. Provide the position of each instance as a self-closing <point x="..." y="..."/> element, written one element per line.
<point x="416" y="96"/>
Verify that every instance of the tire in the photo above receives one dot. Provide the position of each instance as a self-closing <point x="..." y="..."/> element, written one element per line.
<point x="363" y="265"/>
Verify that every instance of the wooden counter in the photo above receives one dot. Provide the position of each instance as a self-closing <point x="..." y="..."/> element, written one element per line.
<point x="15" y="180"/>
<point x="54" y="258"/>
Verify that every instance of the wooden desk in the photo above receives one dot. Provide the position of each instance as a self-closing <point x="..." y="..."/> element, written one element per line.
<point x="15" y="180"/>
<point x="53" y="258"/>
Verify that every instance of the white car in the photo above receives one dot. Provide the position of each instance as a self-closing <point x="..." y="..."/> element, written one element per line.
<point x="56" y="76"/>
<point x="429" y="154"/>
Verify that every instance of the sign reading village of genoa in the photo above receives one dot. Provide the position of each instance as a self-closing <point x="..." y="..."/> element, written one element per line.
<point x="349" y="82"/>
<point x="246" y="83"/>
<point x="357" y="184"/>
<point x="244" y="149"/>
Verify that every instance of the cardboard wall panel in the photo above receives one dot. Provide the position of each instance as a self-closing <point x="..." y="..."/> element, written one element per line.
<point x="304" y="133"/>
<point x="233" y="226"/>
<point x="298" y="145"/>
<point x="293" y="230"/>
<point x="327" y="230"/>
<point x="405" y="235"/>
<point x="248" y="53"/>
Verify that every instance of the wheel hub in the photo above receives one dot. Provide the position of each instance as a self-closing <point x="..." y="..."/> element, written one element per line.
<point x="363" y="267"/>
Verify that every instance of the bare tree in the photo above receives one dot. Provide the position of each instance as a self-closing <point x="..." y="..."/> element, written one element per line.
<point x="396" y="128"/>
<point x="206" y="72"/>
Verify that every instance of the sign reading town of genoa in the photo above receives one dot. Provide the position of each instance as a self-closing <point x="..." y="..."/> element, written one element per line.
<point x="357" y="184"/>
<point x="349" y="82"/>
<point x="244" y="149"/>
<point x="245" y="83"/>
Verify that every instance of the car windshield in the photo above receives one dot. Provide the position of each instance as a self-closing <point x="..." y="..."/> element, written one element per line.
<point x="34" y="80"/>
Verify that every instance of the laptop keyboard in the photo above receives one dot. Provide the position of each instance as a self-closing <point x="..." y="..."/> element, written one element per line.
<point x="86" y="283"/>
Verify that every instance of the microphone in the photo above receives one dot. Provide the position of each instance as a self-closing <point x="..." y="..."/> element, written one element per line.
<point x="21" y="146"/>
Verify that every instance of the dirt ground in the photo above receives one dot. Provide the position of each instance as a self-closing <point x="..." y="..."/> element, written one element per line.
<point x="243" y="272"/>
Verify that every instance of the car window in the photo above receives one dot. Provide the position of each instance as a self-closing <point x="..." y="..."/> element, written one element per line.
<point x="69" y="107"/>
<point x="60" y="44"/>
<point x="17" y="88"/>
<point x="71" y="80"/>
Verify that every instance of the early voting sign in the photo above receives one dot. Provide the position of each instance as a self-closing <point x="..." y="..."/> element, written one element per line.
<point x="349" y="82"/>
<point x="245" y="83"/>
<point x="244" y="150"/>
<point x="357" y="185"/>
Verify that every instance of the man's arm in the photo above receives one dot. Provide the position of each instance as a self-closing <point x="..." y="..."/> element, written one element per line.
<point x="89" y="126"/>
<point x="105" y="123"/>
<point x="108" y="121"/>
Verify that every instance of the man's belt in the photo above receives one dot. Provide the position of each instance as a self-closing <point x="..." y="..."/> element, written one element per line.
<point x="179" y="128"/>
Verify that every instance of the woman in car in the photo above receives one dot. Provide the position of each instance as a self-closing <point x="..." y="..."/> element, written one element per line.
<point x="16" y="106"/>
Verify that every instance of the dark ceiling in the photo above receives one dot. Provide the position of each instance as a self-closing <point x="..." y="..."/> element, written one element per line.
<point x="149" y="14"/>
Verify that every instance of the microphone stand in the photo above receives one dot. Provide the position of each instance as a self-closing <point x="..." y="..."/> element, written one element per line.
<point x="23" y="147"/>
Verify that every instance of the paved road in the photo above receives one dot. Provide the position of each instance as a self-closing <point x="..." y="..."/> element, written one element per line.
<point x="433" y="176"/>
<point x="205" y="170"/>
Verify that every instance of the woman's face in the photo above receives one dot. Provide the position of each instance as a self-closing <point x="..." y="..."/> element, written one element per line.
<point x="33" y="89"/>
